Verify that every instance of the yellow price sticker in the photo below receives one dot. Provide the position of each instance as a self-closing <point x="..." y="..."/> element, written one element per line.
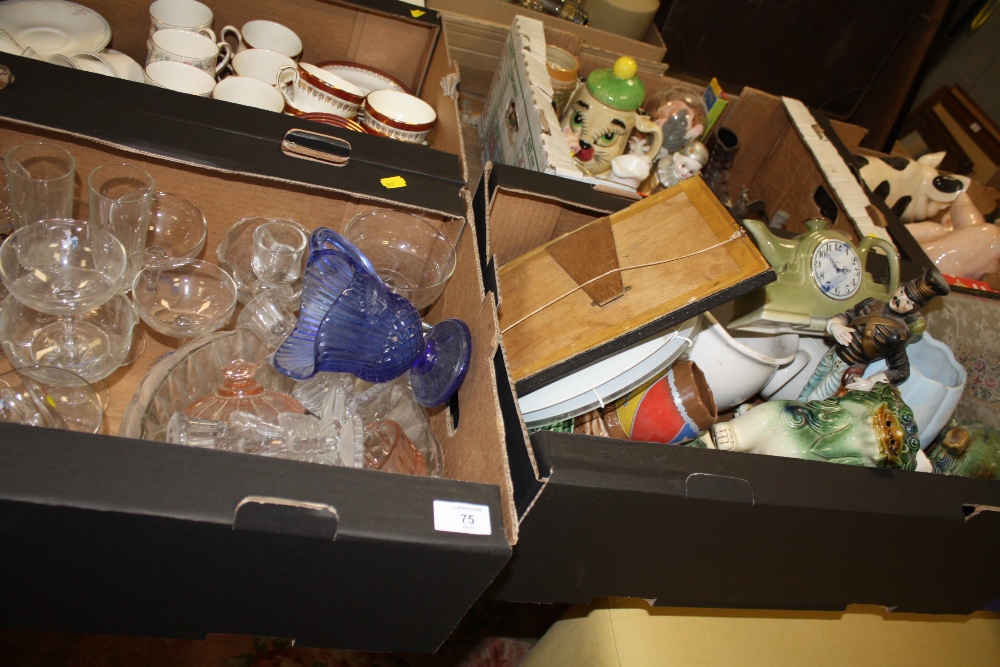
<point x="417" y="13"/>
<point x="393" y="182"/>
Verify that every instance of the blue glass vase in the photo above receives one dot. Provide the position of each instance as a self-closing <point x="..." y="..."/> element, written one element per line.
<point x="351" y="322"/>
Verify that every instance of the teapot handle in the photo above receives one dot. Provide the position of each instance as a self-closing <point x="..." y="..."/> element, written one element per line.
<point x="892" y="256"/>
<point x="646" y="126"/>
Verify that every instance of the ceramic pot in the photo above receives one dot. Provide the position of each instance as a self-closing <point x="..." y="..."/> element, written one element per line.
<point x="673" y="408"/>
<point x="934" y="387"/>
<point x="600" y="117"/>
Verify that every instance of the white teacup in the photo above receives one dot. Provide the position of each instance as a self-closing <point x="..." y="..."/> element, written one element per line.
<point x="315" y="90"/>
<point x="738" y="364"/>
<point x="260" y="34"/>
<point x="193" y="48"/>
<point x="181" y="14"/>
<point x="181" y="77"/>
<point x="126" y="66"/>
<point x="262" y="64"/>
<point x="398" y="115"/>
<point x="249" y="92"/>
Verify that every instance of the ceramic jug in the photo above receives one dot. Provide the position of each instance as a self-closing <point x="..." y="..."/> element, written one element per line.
<point x="602" y="114"/>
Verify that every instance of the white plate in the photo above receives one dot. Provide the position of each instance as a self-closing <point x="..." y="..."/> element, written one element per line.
<point x="605" y="380"/>
<point x="54" y="26"/>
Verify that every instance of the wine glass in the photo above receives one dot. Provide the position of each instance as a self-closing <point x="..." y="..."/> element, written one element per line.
<point x="414" y="257"/>
<point x="50" y="397"/>
<point x="184" y="298"/>
<point x="64" y="268"/>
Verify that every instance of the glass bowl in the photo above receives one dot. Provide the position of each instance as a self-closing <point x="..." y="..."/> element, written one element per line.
<point x="175" y="381"/>
<point x="414" y="257"/>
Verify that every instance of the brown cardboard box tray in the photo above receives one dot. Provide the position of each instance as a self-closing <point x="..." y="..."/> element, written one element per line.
<point x="397" y="38"/>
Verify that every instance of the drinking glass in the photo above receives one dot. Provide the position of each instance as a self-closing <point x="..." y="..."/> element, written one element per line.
<point x="184" y="298"/>
<point x="63" y="268"/>
<point x="278" y="249"/>
<point x="50" y="397"/>
<point x="412" y="256"/>
<point x="120" y="201"/>
<point x="40" y="180"/>
<point x="237" y="249"/>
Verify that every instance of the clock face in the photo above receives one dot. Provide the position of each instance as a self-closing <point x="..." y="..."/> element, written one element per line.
<point x="836" y="269"/>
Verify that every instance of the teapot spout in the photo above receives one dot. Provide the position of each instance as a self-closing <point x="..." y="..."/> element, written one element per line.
<point x="776" y="251"/>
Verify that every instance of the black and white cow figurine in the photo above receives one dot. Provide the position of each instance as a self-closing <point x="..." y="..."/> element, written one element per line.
<point x="913" y="189"/>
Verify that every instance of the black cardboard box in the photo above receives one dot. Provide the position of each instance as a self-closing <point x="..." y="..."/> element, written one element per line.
<point x="702" y="528"/>
<point x="109" y="535"/>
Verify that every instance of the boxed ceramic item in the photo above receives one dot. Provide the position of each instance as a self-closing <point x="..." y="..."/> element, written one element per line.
<point x="391" y="40"/>
<point x="185" y="541"/>
<point x="600" y="515"/>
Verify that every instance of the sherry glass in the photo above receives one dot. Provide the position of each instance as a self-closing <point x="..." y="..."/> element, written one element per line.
<point x="177" y="228"/>
<point x="64" y="268"/>
<point x="184" y="298"/>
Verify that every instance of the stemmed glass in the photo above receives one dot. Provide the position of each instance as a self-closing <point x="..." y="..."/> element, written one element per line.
<point x="184" y="298"/>
<point x="414" y="257"/>
<point x="177" y="228"/>
<point x="64" y="268"/>
<point x="352" y="322"/>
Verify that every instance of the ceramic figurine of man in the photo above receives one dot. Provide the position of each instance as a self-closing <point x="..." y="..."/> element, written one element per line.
<point x="870" y="331"/>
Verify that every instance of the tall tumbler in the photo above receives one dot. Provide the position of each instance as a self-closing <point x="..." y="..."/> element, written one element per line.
<point x="121" y="202"/>
<point x="40" y="179"/>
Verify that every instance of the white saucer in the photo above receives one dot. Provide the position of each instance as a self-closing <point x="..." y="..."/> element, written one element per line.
<point x="54" y="26"/>
<point x="604" y="381"/>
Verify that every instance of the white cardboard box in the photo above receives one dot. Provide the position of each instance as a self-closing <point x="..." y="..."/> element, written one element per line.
<point x="519" y="127"/>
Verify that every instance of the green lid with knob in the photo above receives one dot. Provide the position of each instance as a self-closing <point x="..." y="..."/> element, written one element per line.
<point x="618" y="87"/>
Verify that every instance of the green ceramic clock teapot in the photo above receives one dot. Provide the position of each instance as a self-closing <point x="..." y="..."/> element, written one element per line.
<point x="820" y="273"/>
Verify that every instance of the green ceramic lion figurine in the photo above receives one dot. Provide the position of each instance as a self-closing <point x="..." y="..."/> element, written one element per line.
<point x="867" y="428"/>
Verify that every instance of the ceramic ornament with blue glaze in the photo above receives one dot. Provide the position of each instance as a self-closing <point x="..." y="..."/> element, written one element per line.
<point x="351" y="322"/>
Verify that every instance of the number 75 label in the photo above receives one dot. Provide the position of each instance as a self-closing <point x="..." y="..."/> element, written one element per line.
<point x="455" y="517"/>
